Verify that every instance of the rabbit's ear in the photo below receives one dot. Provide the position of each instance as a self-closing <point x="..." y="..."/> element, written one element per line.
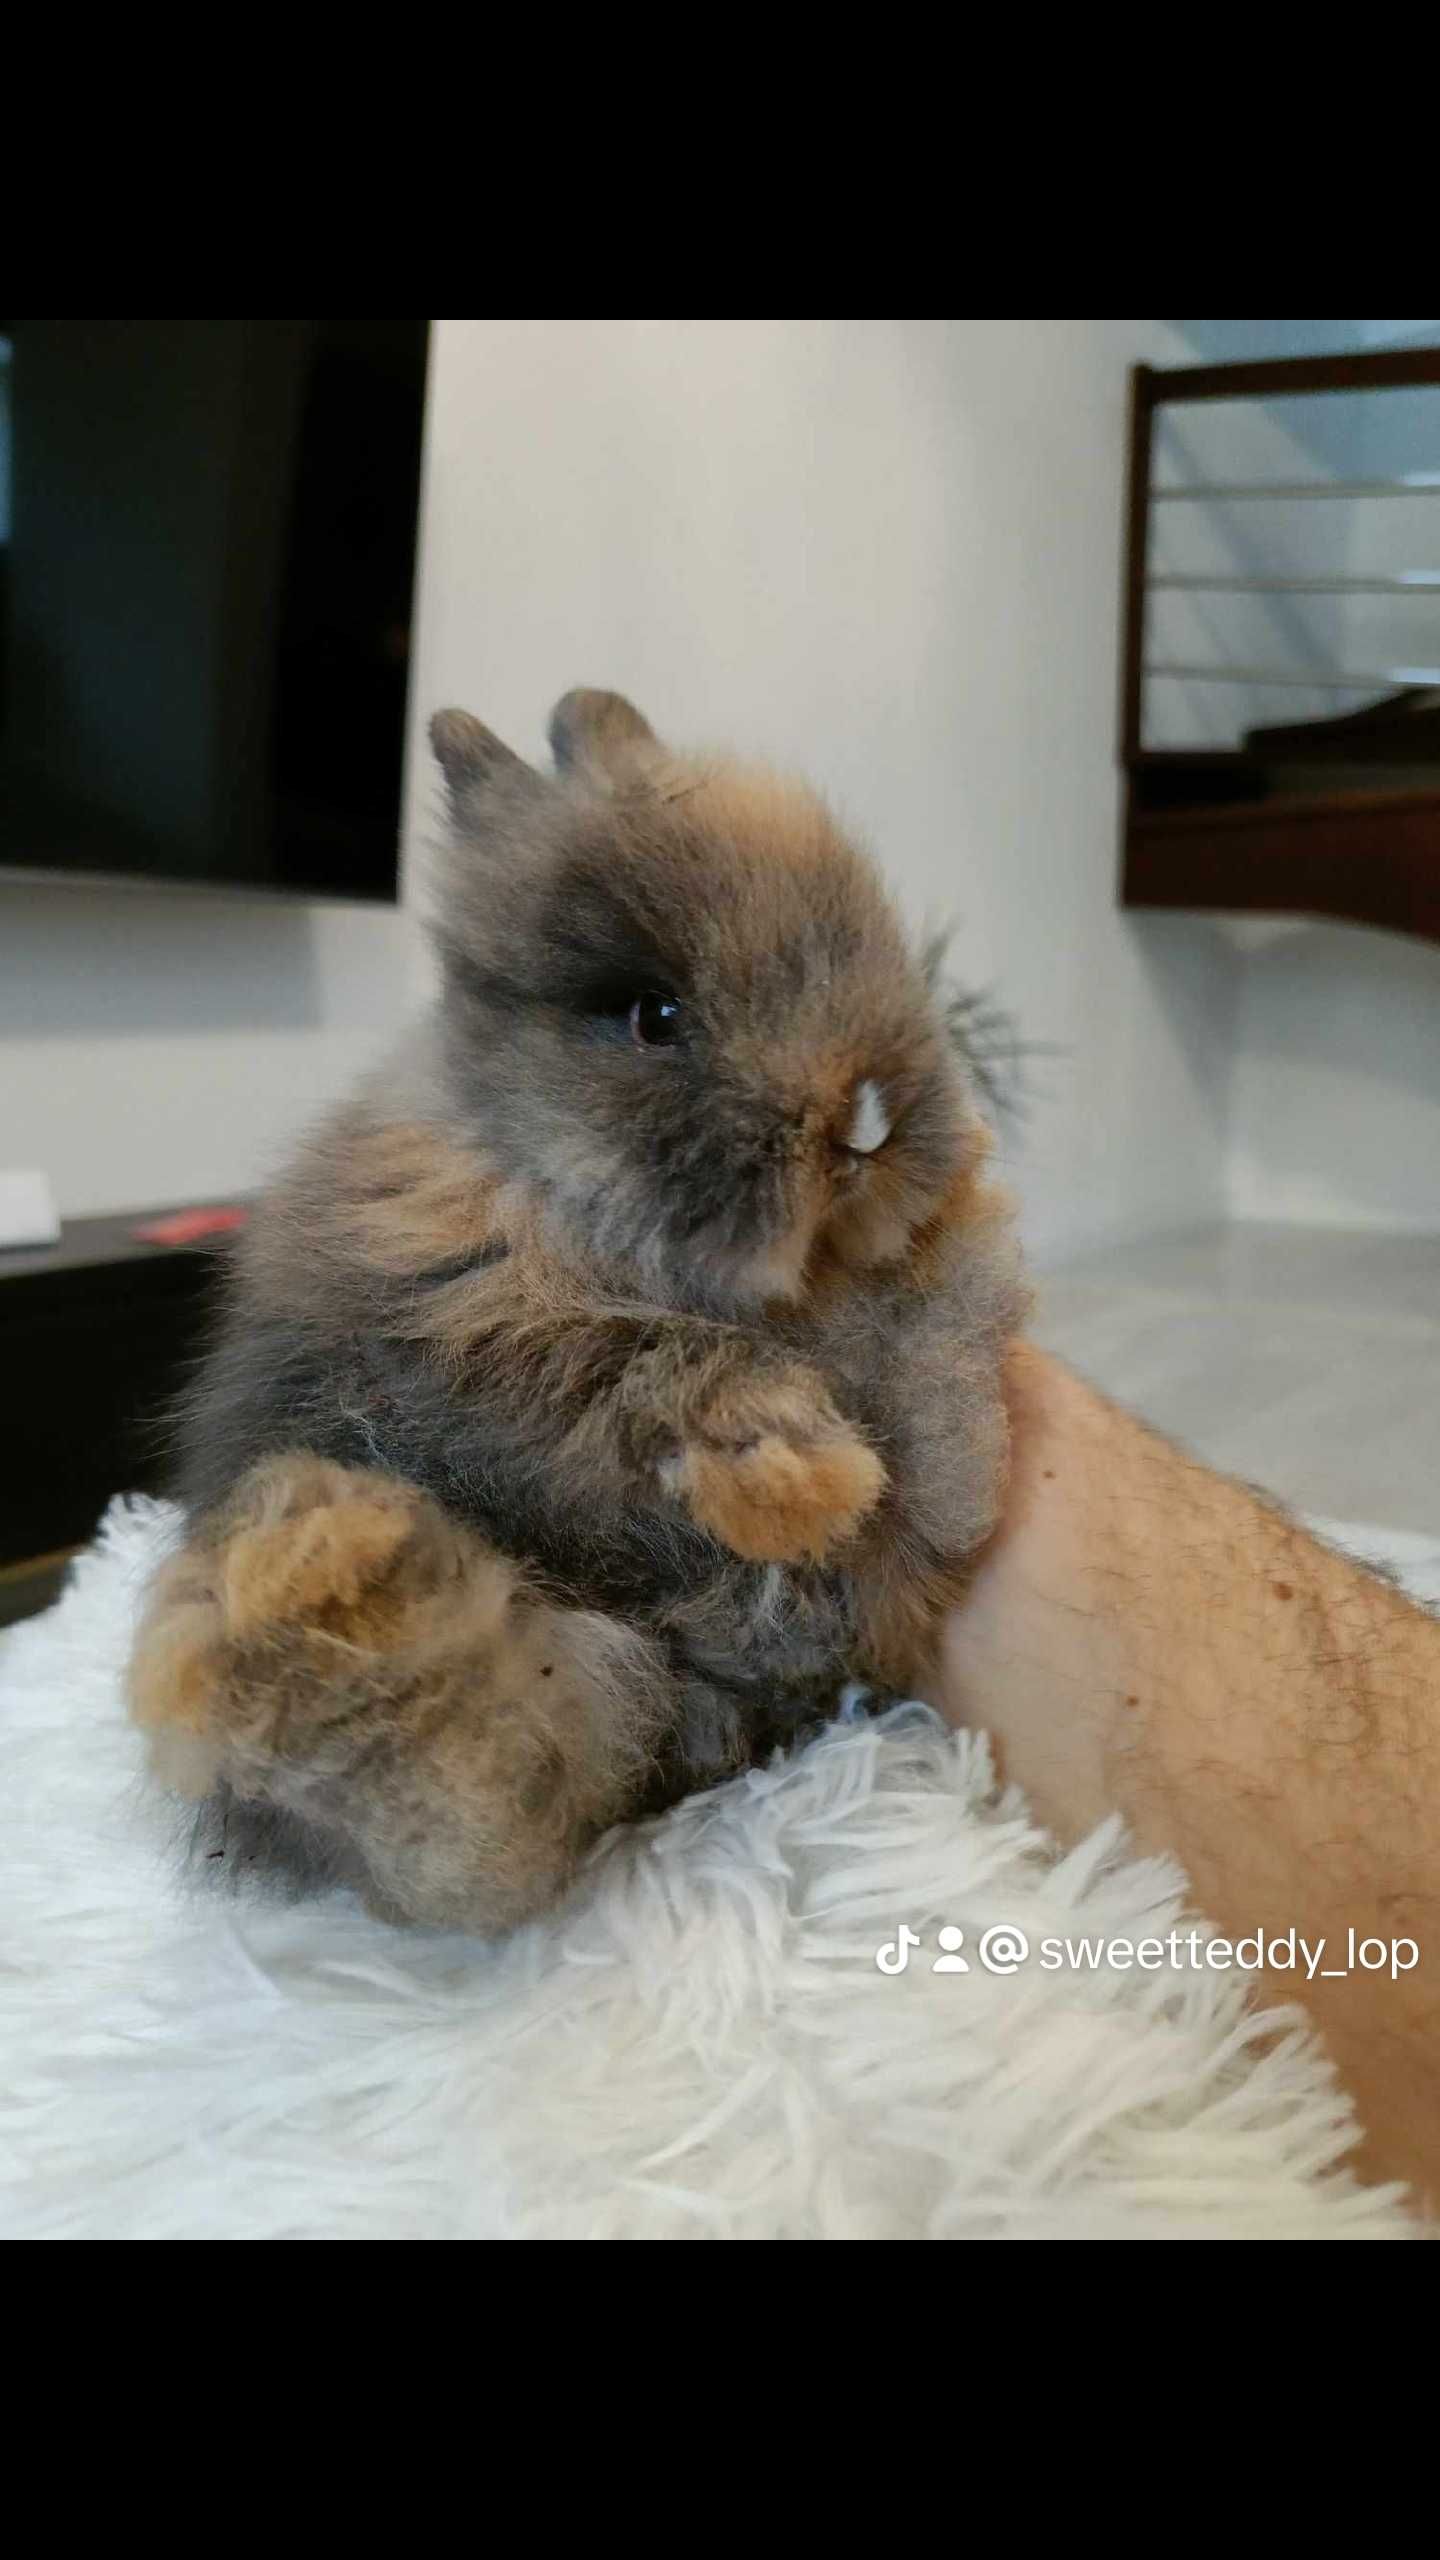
<point x="474" y="761"/>
<point x="602" y="735"/>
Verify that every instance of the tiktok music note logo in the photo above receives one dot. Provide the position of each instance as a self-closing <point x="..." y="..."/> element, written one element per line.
<point x="894" y="1956"/>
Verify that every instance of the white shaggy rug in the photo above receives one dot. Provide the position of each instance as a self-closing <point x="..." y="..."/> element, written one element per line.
<point x="700" y="2046"/>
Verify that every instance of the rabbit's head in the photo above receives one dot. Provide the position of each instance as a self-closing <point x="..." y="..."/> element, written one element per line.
<point x="679" y="1008"/>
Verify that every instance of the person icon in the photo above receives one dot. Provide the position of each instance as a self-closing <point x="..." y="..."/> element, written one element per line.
<point x="952" y="1961"/>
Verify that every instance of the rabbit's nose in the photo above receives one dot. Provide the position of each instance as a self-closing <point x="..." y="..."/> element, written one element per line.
<point x="869" y="1125"/>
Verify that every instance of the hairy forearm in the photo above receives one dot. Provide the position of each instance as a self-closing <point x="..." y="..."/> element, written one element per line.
<point x="1149" y="1638"/>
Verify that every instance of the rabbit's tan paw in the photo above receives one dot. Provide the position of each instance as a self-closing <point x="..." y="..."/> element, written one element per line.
<point x="306" y="1553"/>
<point x="328" y="1548"/>
<point x="775" y="1473"/>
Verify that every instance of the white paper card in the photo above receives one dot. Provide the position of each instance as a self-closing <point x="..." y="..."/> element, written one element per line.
<point x="27" y="1210"/>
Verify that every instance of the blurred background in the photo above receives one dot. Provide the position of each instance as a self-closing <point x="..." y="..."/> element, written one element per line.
<point x="1042" y="631"/>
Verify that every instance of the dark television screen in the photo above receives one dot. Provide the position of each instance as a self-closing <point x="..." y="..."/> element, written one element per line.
<point x="207" y="556"/>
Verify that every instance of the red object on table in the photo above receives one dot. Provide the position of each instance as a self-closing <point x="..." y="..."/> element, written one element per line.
<point x="190" y="1226"/>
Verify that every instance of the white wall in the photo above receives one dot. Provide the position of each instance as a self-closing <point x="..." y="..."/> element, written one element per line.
<point x="159" y="1047"/>
<point x="1335" y="1103"/>
<point x="885" y="552"/>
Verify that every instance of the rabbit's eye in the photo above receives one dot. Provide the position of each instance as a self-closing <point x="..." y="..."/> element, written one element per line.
<point x="654" y="1020"/>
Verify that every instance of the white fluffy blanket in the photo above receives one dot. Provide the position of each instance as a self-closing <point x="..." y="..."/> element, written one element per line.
<point x="700" y="2046"/>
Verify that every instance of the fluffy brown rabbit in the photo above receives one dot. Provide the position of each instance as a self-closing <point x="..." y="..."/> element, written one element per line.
<point x="615" y="1377"/>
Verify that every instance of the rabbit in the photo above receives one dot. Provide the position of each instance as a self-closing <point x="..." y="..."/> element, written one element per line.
<point x="611" y="1380"/>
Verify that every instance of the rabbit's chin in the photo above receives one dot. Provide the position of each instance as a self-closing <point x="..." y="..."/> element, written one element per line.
<point x="830" y="1217"/>
<point x="870" y="1226"/>
<point x="784" y="1273"/>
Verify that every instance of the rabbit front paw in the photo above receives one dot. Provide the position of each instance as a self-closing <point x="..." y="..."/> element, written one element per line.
<point x="774" y="1472"/>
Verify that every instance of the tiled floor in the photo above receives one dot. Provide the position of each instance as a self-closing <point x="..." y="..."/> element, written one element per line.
<point x="1303" y="1359"/>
